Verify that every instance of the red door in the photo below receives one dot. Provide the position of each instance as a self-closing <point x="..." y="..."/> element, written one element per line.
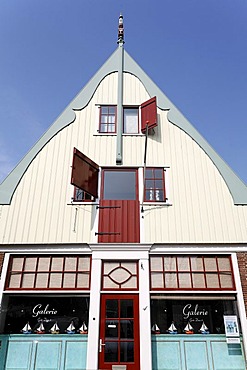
<point x="119" y="331"/>
<point x="119" y="209"/>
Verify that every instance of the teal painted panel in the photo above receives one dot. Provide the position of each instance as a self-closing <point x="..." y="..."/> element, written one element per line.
<point x="3" y="349"/>
<point x="166" y="355"/>
<point x="227" y="356"/>
<point x="75" y="355"/>
<point x="48" y="355"/>
<point x="196" y="356"/>
<point x="19" y="355"/>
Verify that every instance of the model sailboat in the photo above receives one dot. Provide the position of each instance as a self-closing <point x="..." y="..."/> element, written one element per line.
<point x="172" y="329"/>
<point x="83" y="328"/>
<point x="203" y="329"/>
<point x="40" y="329"/>
<point x="27" y="329"/>
<point x="189" y="329"/>
<point x="155" y="329"/>
<point x="70" y="329"/>
<point x="55" y="329"/>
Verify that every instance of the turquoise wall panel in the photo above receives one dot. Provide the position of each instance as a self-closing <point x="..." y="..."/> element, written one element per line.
<point x="196" y="357"/>
<point x="227" y="356"/>
<point x="19" y="355"/>
<point x="48" y="355"/>
<point x="75" y="355"/>
<point x="166" y="356"/>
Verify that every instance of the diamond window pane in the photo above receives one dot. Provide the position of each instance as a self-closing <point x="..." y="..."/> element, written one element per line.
<point x="130" y="284"/>
<point x="226" y="280"/>
<point x="224" y="264"/>
<point x="131" y="267"/>
<point x="55" y="280"/>
<point x="57" y="264"/>
<point x="42" y="280"/>
<point x="196" y="263"/>
<point x="184" y="280"/>
<point x="83" y="281"/>
<point x="108" y="283"/>
<point x="183" y="264"/>
<point x="44" y="264"/>
<point x="15" y="281"/>
<point x="210" y="264"/>
<point x="84" y="264"/>
<point x="70" y="264"/>
<point x="156" y="263"/>
<point x="212" y="281"/>
<point x="170" y="263"/>
<point x="119" y="275"/>
<point x="17" y="263"/>
<point x="69" y="280"/>
<point x="30" y="264"/>
<point x="171" y="280"/>
<point x="28" y="281"/>
<point x="157" y="280"/>
<point x="109" y="266"/>
<point x="198" y="281"/>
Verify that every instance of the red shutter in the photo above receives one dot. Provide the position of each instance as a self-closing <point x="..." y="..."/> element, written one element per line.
<point x="149" y="114"/>
<point x="85" y="173"/>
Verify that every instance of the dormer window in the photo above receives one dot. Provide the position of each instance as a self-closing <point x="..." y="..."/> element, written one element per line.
<point x="107" y="119"/>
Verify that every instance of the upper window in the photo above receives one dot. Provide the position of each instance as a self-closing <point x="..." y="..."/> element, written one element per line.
<point x="154" y="185"/>
<point x="81" y="196"/>
<point x="107" y="119"/>
<point x="131" y="125"/>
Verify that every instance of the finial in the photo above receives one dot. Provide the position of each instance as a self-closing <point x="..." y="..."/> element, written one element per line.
<point x="120" y="30"/>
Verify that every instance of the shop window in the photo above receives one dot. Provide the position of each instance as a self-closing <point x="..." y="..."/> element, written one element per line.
<point x="131" y="121"/>
<point x="155" y="185"/>
<point x="107" y="119"/>
<point x="49" y="272"/>
<point x="191" y="272"/>
<point x="81" y="196"/>
<point x="48" y="310"/>
<point x="120" y="275"/>
<point x="196" y="311"/>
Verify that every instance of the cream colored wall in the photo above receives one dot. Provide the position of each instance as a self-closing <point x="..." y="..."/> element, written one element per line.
<point x="202" y="209"/>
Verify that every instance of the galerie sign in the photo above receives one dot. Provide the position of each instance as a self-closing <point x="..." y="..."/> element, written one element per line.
<point x="193" y="312"/>
<point x="39" y="310"/>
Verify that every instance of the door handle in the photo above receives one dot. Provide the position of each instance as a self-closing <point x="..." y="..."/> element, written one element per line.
<point x="101" y="344"/>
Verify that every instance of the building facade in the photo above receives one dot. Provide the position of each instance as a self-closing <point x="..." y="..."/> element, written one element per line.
<point x="123" y="238"/>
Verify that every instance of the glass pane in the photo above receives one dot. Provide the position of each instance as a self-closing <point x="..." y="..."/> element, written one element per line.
<point x="149" y="184"/>
<point x="149" y="173"/>
<point x="111" y="308"/>
<point x="183" y="264"/>
<point x="104" y="110"/>
<point x="131" y="283"/>
<point x="41" y="281"/>
<point x="69" y="280"/>
<point x="226" y="280"/>
<point x="108" y="283"/>
<point x="184" y="280"/>
<point x="210" y="264"/>
<point x="158" y="184"/>
<point x="44" y="264"/>
<point x="30" y="264"/>
<point x="126" y="308"/>
<point x="103" y="128"/>
<point x="171" y="280"/>
<point x="17" y="263"/>
<point x="84" y="264"/>
<point x="28" y="281"/>
<point x="126" y="329"/>
<point x="111" y="329"/>
<point x="157" y="280"/>
<point x="111" y="351"/>
<point x="70" y="263"/>
<point x="83" y="281"/>
<point x="57" y="264"/>
<point x="131" y="267"/>
<point x="120" y="185"/>
<point x="156" y="264"/>
<point x="55" y="280"/>
<point x="112" y="110"/>
<point x="224" y="264"/>
<point x="170" y="263"/>
<point x="158" y="173"/>
<point x="212" y="281"/>
<point x="130" y="120"/>
<point x="127" y="351"/>
<point x="111" y="119"/>
<point x="196" y="263"/>
<point x="198" y="281"/>
<point x="15" y="281"/>
<point x="159" y="195"/>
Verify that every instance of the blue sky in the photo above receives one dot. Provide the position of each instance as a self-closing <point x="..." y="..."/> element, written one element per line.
<point x="194" y="50"/>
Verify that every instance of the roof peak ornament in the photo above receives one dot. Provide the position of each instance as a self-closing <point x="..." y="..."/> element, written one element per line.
<point x="120" y="30"/>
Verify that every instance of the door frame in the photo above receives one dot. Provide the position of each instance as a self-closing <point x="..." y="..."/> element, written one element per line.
<point x="131" y="365"/>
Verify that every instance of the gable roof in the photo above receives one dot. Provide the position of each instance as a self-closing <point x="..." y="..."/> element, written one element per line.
<point x="236" y="187"/>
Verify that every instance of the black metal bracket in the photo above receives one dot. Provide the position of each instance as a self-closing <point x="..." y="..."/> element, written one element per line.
<point x="107" y="233"/>
<point x="102" y="207"/>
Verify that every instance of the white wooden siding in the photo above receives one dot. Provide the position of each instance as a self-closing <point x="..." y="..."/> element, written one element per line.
<point x="202" y="209"/>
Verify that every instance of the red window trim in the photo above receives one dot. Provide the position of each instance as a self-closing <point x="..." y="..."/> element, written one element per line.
<point x="138" y="123"/>
<point x="155" y="188"/>
<point x="107" y="123"/>
<point x="120" y="264"/>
